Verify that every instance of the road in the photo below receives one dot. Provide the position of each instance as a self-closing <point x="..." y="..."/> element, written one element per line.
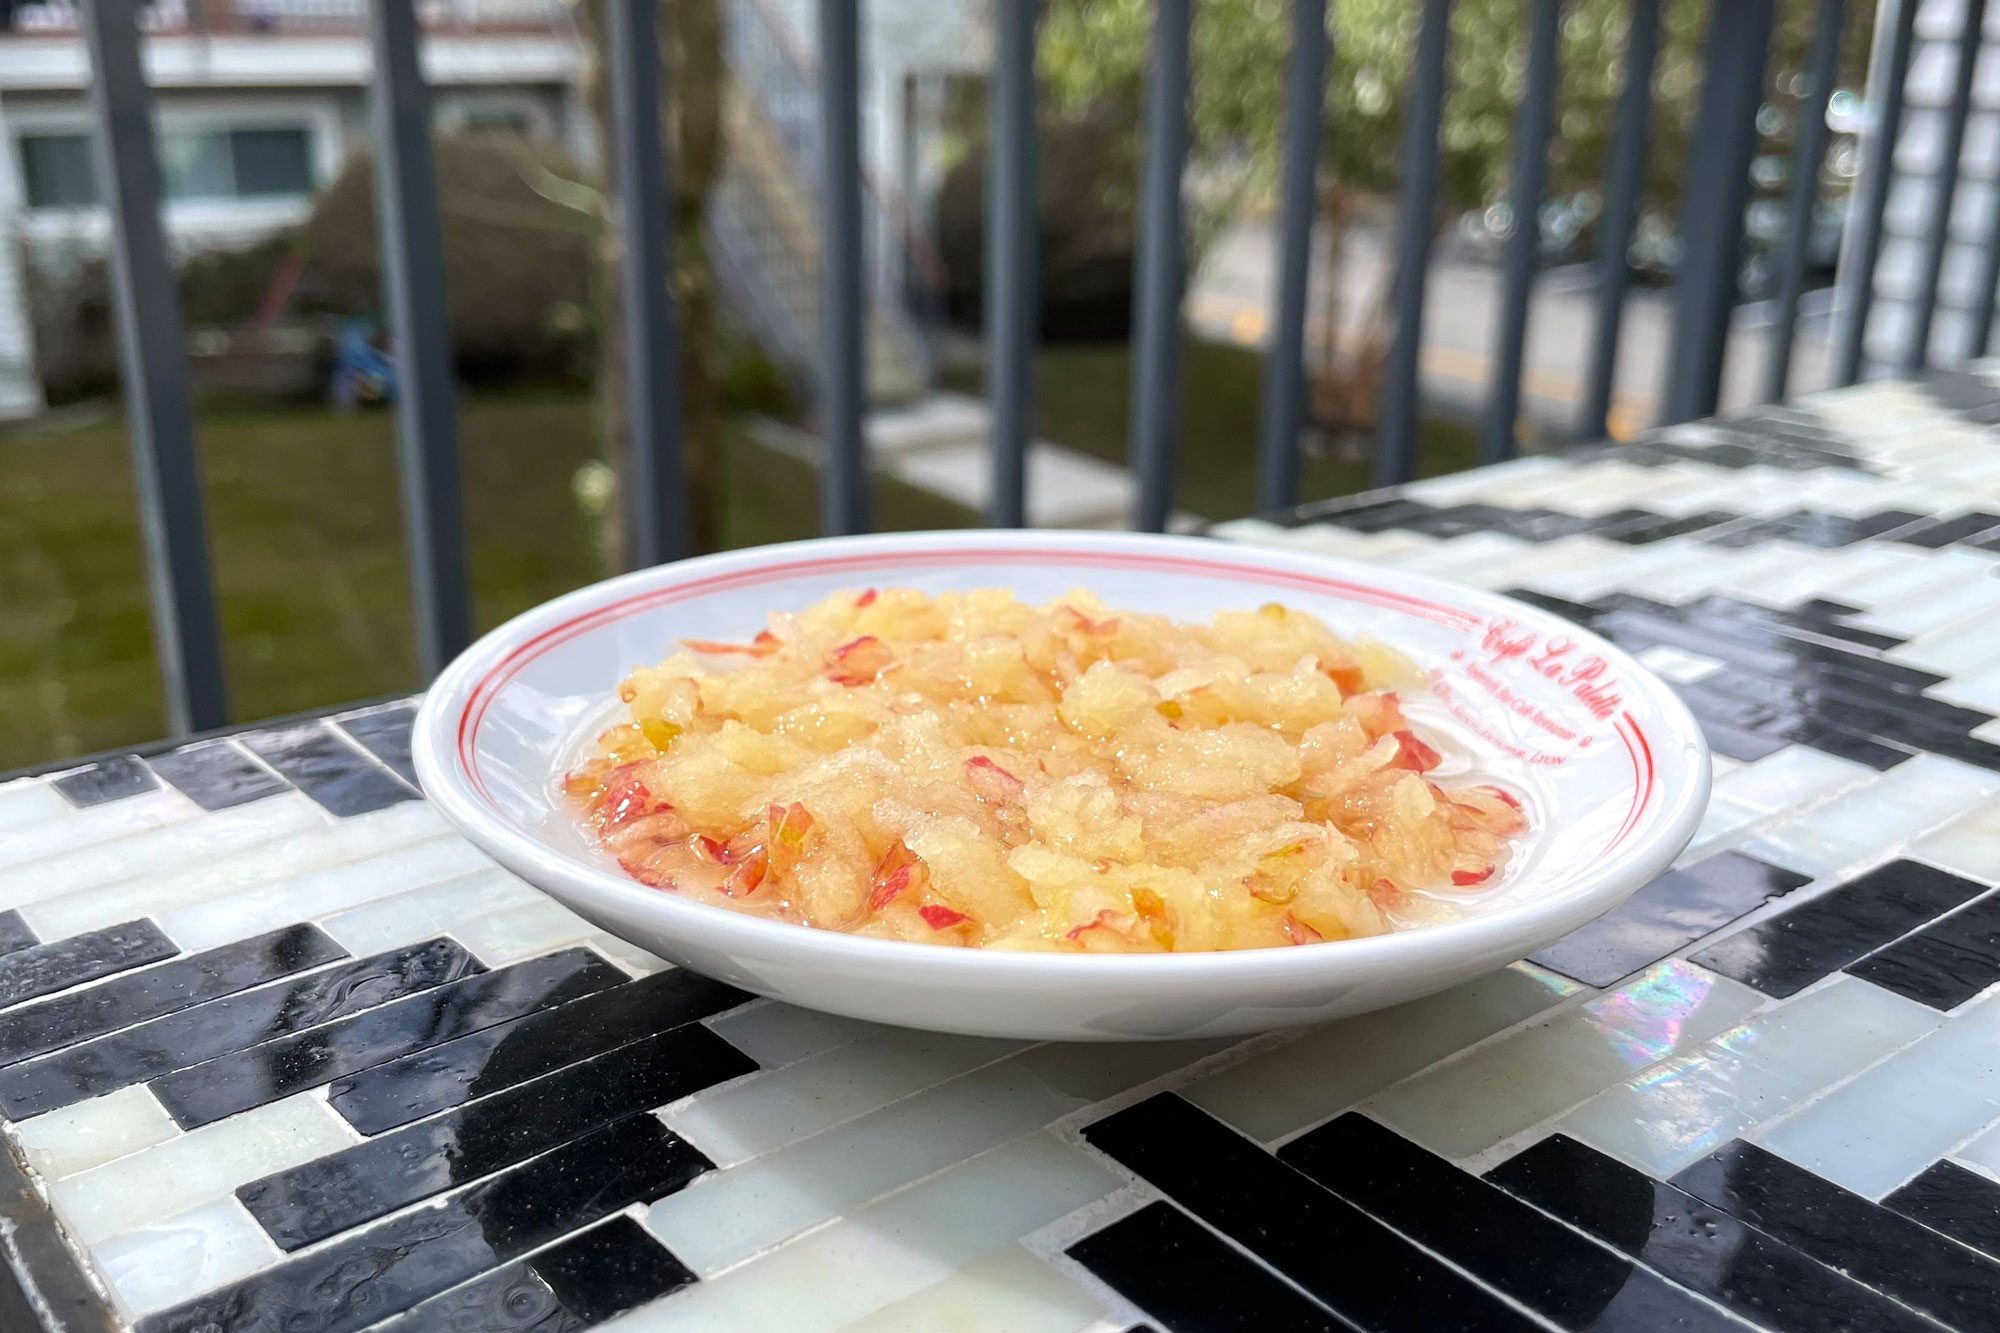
<point x="1230" y="300"/>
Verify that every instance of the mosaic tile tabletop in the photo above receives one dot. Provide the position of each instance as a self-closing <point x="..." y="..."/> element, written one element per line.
<point x="280" y="1052"/>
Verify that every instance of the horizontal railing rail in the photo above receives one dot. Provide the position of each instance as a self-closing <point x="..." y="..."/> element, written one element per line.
<point x="309" y="18"/>
<point x="824" y="134"/>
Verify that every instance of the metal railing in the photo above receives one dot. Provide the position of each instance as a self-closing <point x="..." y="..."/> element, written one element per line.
<point x="1705" y="291"/>
<point x="311" y="18"/>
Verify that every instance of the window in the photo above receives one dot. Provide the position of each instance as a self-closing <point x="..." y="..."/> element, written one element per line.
<point x="194" y="164"/>
<point x="55" y="169"/>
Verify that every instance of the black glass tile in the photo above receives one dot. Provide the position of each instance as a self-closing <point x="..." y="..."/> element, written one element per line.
<point x="1193" y="1281"/>
<point x="449" y="1075"/>
<point x="1941" y="532"/>
<point x="64" y="1020"/>
<point x="1783" y="954"/>
<point x="1540" y="525"/>
<point x="1679" y="525"/>
<point x="233" y="1023"/>
<point x="367" y="1276"/>
<point x="1886" y="522"/>
<point x="343" y="779"/>
<point x="1944" y="964"/>
<point x="589" y="1278"/>
<point x="385" y="733"/>
<point x="1292" y="1224"/>
<point x="1703" y="1249"/>
<point x="1379" y="516"/>
<point x="216" y="775"/>
<point x="237" y="1082"/>
<point x="610" y="1269"/>
<point x="1962" y="390"/>
<point x="511" y="1299"/>
<point x="1568" y="610"/>
<point x="14" y="932"/>
<point x="108" y="780"/>
<point x="1463" y="520"/>
<point x="1668" y="914"/>
<point x="42" y="968"/>
<point x="1503" y="1242"/>
<point x="1959" y="1203"/>
<point x="1866" y="1241"/>
<point x="1743" y="746"/>
<point x="355" y="1185"/>
<point x="1334" y="508"/>
<point x="1877" y="754"/>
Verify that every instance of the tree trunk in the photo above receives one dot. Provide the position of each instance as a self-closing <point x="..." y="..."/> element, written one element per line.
<point x="691" y="115"/>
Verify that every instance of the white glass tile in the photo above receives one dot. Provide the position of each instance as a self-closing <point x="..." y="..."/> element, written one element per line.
<point x="1968" y="845"/>
<point x="161" y="850"/>
<point x="304" y="848"/>
<point x="428" y="912"/>
<point x="202" y="1164"/>
<point x="1942" y="608"/>
<point x="1910" y="799"/>
<point x="1984" y="1151"/>
<point x="892" y="1249"/>
<point x="1007" y="1291"/>
<point x="773" y="1033"/>
<point x="204" y="925"/>
<point x="60" y="842"/>
<point x="1330" y="1068"/>
<point x="1954" y="650"/>
<point x="1793" y="777"/>
<point x="627" y="954"/>
<point x="1469" y="1104"/>
<point x="170" y="1261"/>
<point x="766" y="1111"/>
<point x="729" y="1215"/>
<point x="87" y="1134"/>
<point x="33" y="803"/>
<point x="1094" y="1070"/>
<point x="1678" y="665"/>
<point x="1669" y="1116"/>
<point x="525" y="930"/>
<point x="1894" y="1120"/>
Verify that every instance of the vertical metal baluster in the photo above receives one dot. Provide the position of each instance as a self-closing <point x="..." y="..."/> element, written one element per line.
<point x="1524" y="244"/>
<point x="1624" y="188"/>
<point x="413" y="274"/>
<point x="1808" y="152"/>
<point x="1156" y="344"/>
<point x="652" y="330"/>
<point x="1861" y="247"/>
<point x="1396" y="447"/>
<point x="1013" y="275"/>
<point x="1917" y="352"/>
<point x="1284" y="359"/>
<point x="843" y="486"/>
<point x="158" y="407"/>
<point x="1718" y="172"/>
<point x="1986" y="285"/>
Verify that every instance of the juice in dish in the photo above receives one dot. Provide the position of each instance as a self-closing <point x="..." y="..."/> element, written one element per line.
<point x="965" y="769"/>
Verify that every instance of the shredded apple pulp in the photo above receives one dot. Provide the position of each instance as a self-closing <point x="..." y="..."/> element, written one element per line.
<point x="966" y="769"/>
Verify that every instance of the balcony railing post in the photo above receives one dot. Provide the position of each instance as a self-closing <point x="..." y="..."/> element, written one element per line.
<point x="1284" y="360"/>
<point x="652" y="341"/>
<point x="1524" y="243"/>
<point x="413" y="276"/>
<point x="843" y="326"/>
<point x="1013" y="276"/>
<point x="1944" y="185"/>
<point x="1624" y="183"/>
<point x="1808" y="154"/>
<point x="1718" y="172"/>
<point x="1156" y="346"/>
<point x="159" y="408"/>
<point x="1416" y="206"/>
<point x="1861" y="248"/>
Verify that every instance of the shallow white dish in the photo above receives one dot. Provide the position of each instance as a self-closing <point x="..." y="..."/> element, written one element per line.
<point x="1613" y="770"/>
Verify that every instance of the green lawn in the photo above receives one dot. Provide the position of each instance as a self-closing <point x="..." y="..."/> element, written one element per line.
<point x="307" y="540"/>
<point x="1081" y="396"/>
<point x="306" y="530"/>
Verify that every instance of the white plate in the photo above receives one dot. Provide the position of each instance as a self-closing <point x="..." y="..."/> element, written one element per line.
<point x="1613" y="770"/>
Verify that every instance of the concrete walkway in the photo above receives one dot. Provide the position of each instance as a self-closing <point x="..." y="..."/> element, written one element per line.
<point x="1230" y="299"/>
<point x="941" y="444"/>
